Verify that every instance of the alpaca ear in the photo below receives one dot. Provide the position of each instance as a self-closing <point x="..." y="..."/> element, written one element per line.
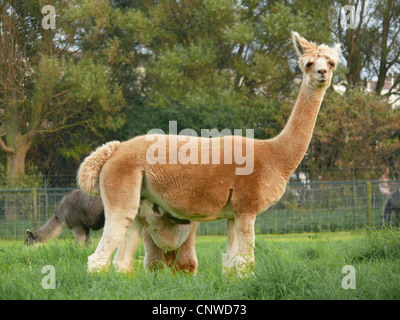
<point x="338" y="48"/>
<point x="297" y="41"/>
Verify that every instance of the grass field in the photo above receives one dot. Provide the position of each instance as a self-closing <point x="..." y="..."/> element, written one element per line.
<point x="294" y="266"/>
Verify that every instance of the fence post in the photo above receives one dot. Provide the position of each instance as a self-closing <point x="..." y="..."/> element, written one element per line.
<point x="45" y="197"/>
<point x="34" y="202"/>
<point x="369" y="204"/>
<point x="354" y="197"/>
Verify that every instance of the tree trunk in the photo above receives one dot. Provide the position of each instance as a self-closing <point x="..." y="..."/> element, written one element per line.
<point x="383" y="69"/>
<point x="15" y="178"/>
<point x="353" y="58"/>
<point x="16" y="167"/>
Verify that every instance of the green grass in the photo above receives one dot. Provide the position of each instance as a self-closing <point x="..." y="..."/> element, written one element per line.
<point x="293" y="266"/>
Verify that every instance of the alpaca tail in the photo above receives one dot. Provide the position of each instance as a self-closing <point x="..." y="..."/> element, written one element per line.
<point x="89" y="170"/>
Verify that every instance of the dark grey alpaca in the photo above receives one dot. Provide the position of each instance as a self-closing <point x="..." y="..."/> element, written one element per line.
<point x="392" y="204"/>
<point x="77" y="211"/>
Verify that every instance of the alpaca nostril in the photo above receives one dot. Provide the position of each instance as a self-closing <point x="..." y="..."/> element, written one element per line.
<point x="322" y="71"/>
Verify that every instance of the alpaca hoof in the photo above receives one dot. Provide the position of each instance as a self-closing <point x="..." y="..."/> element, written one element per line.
<point x="97" y="264"/>
<point x="226" y="264"/>
<point x="237" y="265"/>
<point x="189" y="267"/>
<point x="224" y="259"/>
<point x="122" y="267"/>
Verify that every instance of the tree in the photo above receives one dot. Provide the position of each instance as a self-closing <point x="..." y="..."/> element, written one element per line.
<point x="215" y="64"/>
<point x="355" y="130"/>
<point x="387" y="51"/>
<point x="206" y="64"/>
<point x="357" y="40"/>
<point x="371" y="47"/>
<point x="46" y="85"/>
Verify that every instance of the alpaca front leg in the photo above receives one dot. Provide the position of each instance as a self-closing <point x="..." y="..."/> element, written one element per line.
<point x="123" y="260"/>
<point x="244" y="225"/>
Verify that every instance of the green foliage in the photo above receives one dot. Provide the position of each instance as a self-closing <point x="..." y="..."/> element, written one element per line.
<point x="356" y="129"/>
<point x="48" y="87"/>
<point x="376" y="245"/>
<point x="116" y="69"/>
<point x="211" y="64"/>
<point x="32" y="178"/>
<point x="298" y="267"/>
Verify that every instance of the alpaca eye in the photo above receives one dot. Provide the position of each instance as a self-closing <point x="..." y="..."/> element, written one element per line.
<point x="309" y="64"/>
<point x="331" y="64"/>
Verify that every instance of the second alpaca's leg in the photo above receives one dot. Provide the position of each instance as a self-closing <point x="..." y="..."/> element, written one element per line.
<point x="154" y="257"/>
<point x="80" y="234"/>
<point x="88" y="237"/>
<point x="184" y="258"/>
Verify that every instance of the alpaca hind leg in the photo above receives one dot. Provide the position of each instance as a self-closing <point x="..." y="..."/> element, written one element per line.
<point x="121" y="203"/>
<point x="120" y="251"/>
<point x="113" y="234"/>
<point x="232" y="246"/>
<point x="123" y="260"/>
<point x="244" y="225"/>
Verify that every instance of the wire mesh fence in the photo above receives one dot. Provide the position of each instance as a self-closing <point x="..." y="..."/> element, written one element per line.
<point x="320" y="207"/>
<point x="305" y="207"/>
<point x="27" y="209"/>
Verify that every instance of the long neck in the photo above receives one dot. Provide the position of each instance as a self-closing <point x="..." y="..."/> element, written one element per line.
<point x="293" y="141"/>
<point x="51" y="229"/>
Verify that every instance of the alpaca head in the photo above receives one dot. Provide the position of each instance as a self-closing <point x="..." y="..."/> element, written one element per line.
<point x="316" y="61"/>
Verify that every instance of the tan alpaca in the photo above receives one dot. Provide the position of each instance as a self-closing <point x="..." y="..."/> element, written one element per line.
<point x="193" y="190"/>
